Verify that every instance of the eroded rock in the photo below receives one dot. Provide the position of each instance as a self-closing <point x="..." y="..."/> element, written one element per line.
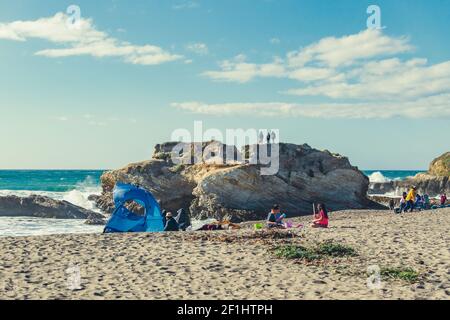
<point x="238" y="190"/>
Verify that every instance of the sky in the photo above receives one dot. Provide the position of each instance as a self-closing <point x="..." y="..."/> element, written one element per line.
<point x="98" y="90"/>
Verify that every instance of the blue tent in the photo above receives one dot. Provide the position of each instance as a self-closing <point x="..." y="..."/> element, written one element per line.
<point x="123" y="220"/>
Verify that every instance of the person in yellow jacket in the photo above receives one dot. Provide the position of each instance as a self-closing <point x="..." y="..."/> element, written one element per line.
<point x="410" y="198"/>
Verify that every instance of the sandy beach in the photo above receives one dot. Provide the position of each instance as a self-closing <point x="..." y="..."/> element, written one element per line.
<point x="234" y="264"/>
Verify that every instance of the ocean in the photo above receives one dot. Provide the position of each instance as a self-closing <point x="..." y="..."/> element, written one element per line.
<point x="75" y="186"/>
<point x="390" y="175"/>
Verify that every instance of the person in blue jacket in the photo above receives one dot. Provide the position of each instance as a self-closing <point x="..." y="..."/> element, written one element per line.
<point x="275" y="218"/>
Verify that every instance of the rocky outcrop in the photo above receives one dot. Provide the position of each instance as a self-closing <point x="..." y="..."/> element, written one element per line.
<point x="381" y="188"/>
<point x="235" y="188"/>
<point x="434" y="182"/>
<point x="440" y="166"/>
<point x="44" y="207"/>
<point x="425" y="183"/>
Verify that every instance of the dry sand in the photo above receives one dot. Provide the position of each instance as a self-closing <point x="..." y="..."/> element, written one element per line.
<point x="182" y="266"/>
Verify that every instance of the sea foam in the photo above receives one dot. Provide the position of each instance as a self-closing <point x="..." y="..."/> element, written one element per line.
<point x="378" y="177"/>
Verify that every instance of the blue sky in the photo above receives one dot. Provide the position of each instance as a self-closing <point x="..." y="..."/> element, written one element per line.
<point x="134" y="71"/>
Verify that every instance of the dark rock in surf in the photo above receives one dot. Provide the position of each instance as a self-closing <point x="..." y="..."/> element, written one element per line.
<point x="43" y="207"/>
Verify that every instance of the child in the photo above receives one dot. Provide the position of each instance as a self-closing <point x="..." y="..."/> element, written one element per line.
<point x="402" y="203"/>
<point x="275" y="218"/>
<point x="321" y="218"/>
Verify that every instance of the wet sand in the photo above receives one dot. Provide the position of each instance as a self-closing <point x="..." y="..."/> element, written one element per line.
<point x="202" y="265"/>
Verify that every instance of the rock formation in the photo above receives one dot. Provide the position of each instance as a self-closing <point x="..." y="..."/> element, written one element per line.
<point x="434" y="182"/>
<point x="44" y="207"/>
<point x="440" y="166"/>
<point x="235" y="188"/>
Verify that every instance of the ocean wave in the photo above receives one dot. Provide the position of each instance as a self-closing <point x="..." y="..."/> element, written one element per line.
<point x="378" y="177"/>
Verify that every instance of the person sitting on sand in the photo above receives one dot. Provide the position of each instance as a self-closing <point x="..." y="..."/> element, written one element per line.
<point x="391" y="204"/>
<point x="275" y="218"/>
<point x="163" y="214"/>
<point x="426" y="201"/>
<point x="183" y="219"/>
<point x="443" y="199"/>
<point x="321" y="218"/>
<point x="171" y="224"/>
<point x="410" y="198"/>
<point x="418" y="203"/>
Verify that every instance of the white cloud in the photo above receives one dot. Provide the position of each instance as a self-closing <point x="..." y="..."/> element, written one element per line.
<point x="389" y="79"/>
<point x="238" y="70"/>
<point x="84" y="39"/>
<point x="334" y="52"/>
<point x="360" y="73"/>
<point x="198" y="48"/>
<point x="317" y="61"/>
<point x="275" y="41"/>
<point x="435" y="106"/>
<point x="97" y="123"/>
<point x="186" y="5"/>
<point x="312" y="74"/>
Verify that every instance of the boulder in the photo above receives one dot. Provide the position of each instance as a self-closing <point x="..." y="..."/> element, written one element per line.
<point x="380" y="188"/>
<point x="43" y="207"/>
<point x="216" y="187"/>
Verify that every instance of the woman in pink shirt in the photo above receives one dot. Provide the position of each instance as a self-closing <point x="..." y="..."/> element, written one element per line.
<point x="321" y="218"/>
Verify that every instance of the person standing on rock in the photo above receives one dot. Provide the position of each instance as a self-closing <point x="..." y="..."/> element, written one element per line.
<point x="273" y="136"/>
<point x="261" y="137"/>
<point x="171" y="224"/>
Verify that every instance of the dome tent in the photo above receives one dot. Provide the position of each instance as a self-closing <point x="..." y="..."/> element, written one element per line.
<point x="123" y="220"/>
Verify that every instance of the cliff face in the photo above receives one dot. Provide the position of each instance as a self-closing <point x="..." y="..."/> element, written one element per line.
<point x="238" y="190"/>
<point x="434" y="182"/>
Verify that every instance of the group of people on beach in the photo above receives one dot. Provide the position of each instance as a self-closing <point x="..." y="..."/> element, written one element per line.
<point x="412" y="200"/>
<point x="275" y="219"/>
